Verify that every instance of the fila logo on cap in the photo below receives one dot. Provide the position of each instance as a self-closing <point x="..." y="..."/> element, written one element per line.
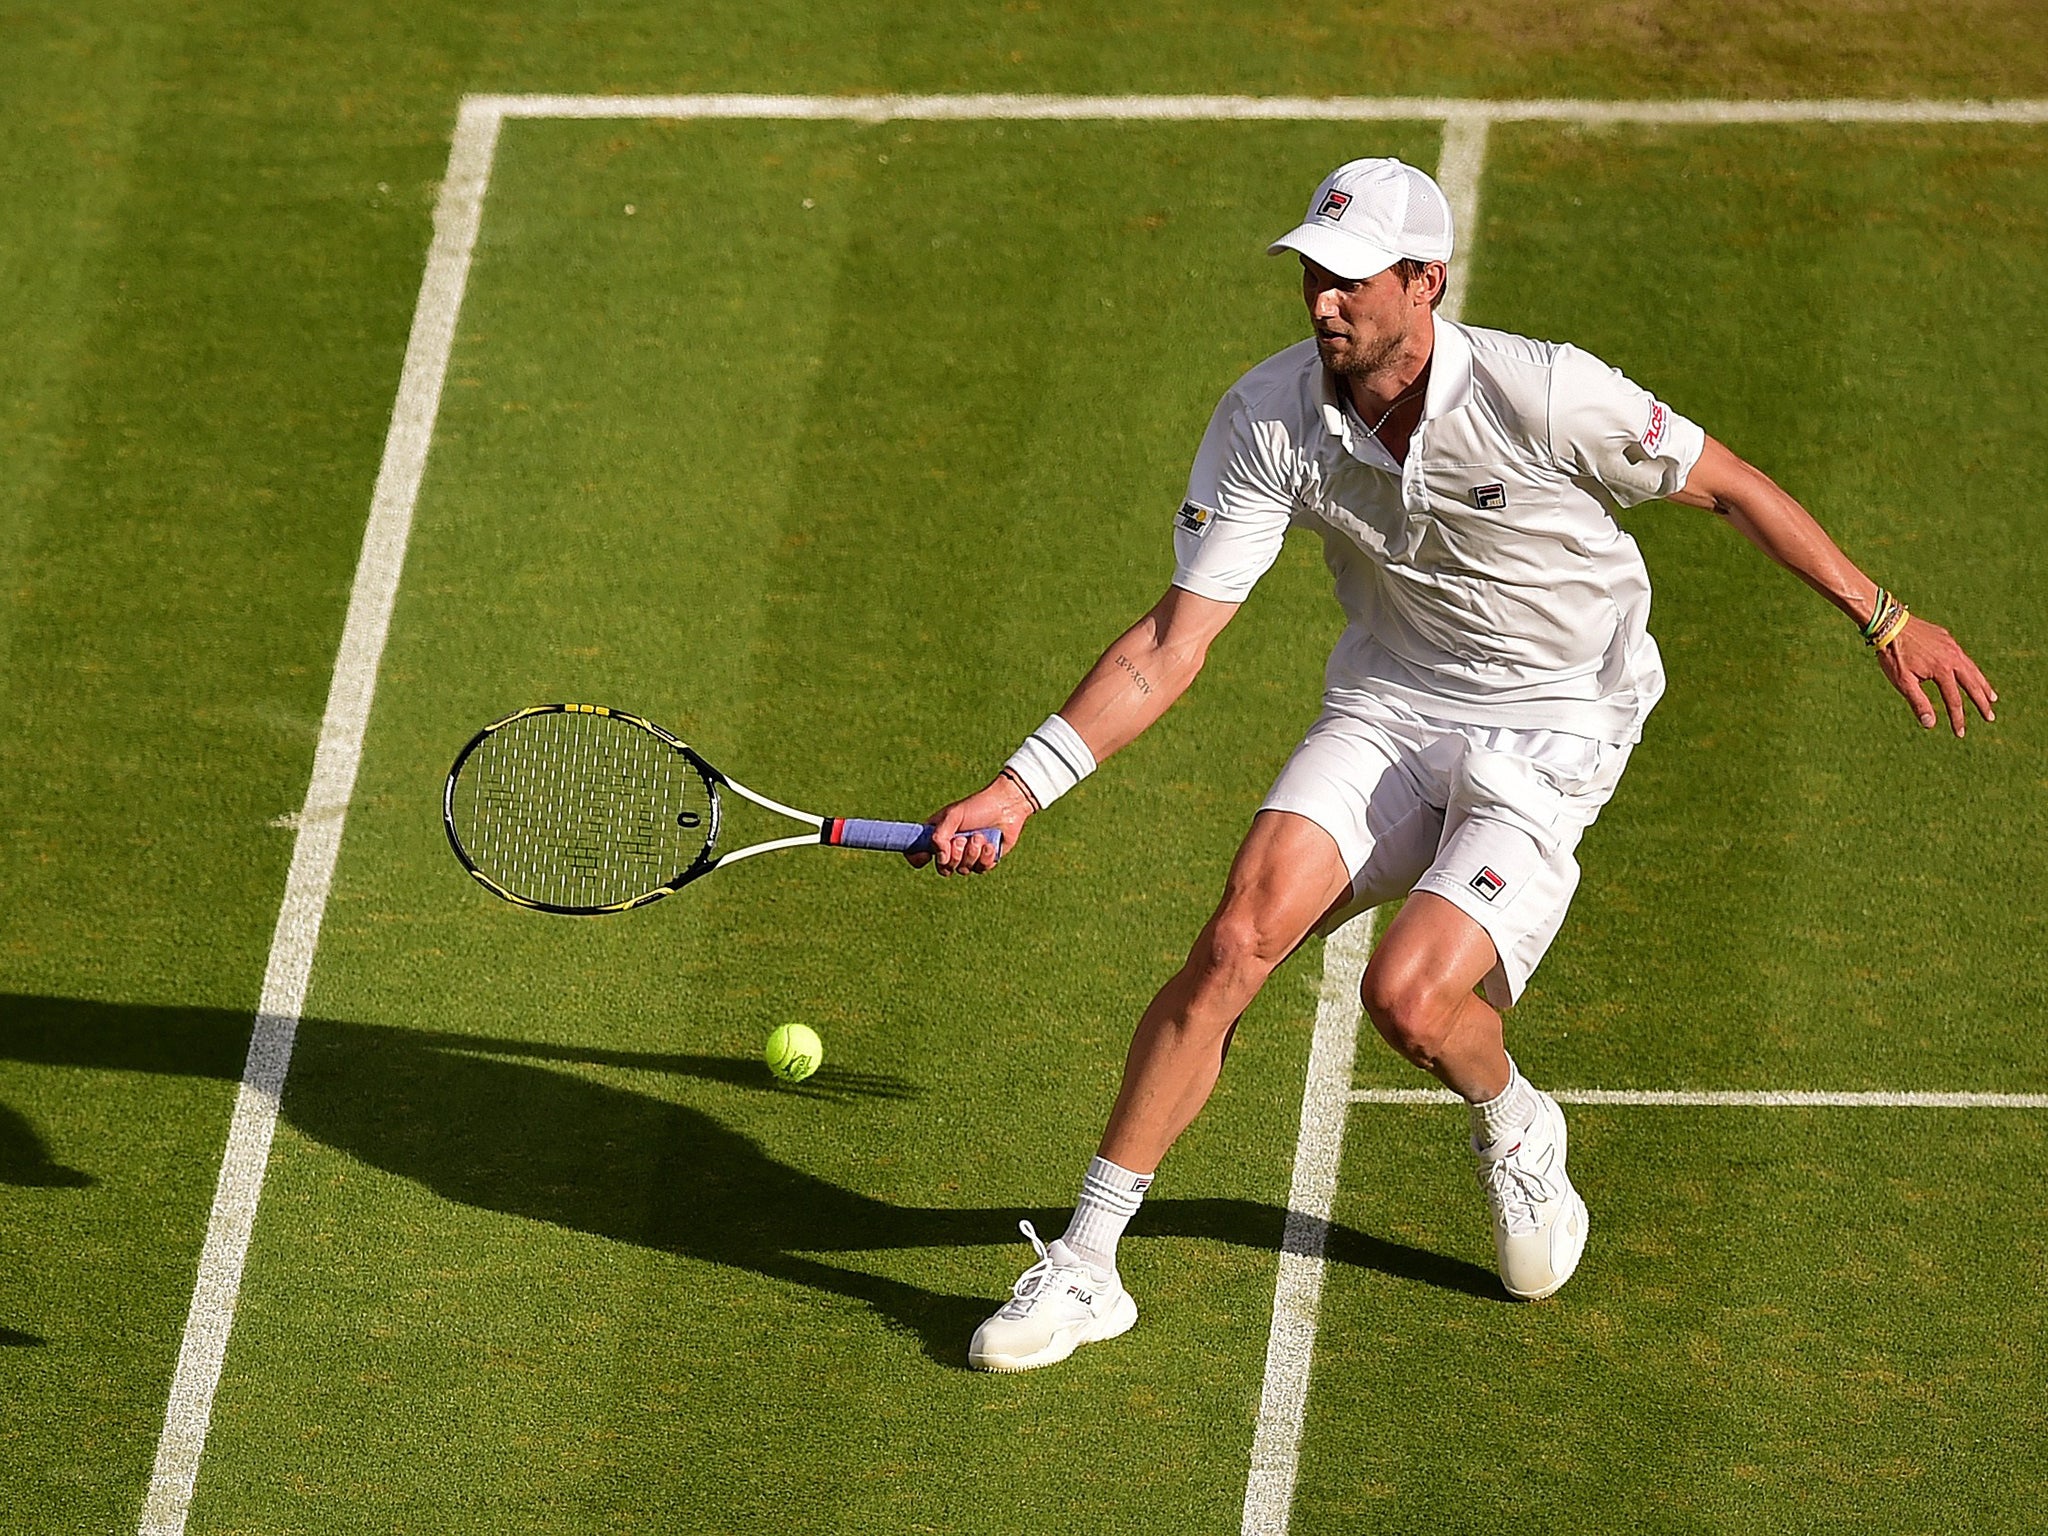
<point x="1368" y="214"/>
<point x="1488" y="884"/>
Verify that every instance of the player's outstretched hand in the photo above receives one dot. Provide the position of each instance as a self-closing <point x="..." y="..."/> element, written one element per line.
<point x="962" y="851"/>
<point x="1926" y="653"/>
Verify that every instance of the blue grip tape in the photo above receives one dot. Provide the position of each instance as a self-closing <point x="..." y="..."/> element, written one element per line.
<point x="893" y="836"/>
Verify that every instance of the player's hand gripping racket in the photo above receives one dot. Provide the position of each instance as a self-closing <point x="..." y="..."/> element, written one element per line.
<point x="581" y="809"/>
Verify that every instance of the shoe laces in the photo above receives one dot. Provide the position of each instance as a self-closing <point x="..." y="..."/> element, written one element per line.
<point x="1037" y="1281"/>
<point x="1515" y="1190"/>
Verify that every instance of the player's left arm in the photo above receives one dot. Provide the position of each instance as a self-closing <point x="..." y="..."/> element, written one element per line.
<point x="1921" y="653"/>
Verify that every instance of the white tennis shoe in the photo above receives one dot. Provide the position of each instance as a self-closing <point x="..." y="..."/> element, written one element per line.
<point x="1056" y="1306"/>
<point x="1539" y="1221"/>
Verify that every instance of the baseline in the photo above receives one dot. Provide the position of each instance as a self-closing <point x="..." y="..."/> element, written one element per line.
<point x="971" y="108"/>
<point x="1734" y="1098"/>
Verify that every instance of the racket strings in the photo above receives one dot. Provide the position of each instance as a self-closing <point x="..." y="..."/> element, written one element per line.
<point x="580" y="810"/>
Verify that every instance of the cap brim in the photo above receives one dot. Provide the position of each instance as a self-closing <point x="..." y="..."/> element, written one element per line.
<point x="1346" y="256"/>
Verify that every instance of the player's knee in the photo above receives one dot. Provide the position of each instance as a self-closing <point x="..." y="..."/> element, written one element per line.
<point x="1237" y="953"/>
<point x="1408" y="1007"/>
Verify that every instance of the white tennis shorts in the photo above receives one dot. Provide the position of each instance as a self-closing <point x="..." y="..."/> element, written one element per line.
<point x="1486" y="817"/>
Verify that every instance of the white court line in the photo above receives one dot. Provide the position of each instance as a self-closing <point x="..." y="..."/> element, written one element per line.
<point x="1757" y="1098"/>
<point x="1298" y="1291"/>
<point x="1460" y="164"/>
<point x="457" y="214"/>
<point x="1346" y="109"/>
<point x="204" y="1347"/>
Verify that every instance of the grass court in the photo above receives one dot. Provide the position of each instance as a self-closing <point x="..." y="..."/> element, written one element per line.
<point x="841" y="448"/>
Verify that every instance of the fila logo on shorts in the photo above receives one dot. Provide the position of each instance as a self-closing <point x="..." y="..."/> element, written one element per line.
<point x="1487" y="883"/>
<point x="1491" y="497"/>
<point x="1195" y="519"/>
<point x="1333" y="206"/>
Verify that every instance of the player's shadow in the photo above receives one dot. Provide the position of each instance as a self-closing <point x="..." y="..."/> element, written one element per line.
<point x="530" y="1130"/>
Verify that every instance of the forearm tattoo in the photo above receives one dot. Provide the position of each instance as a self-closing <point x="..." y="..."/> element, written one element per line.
<point x="1137" y="677"/>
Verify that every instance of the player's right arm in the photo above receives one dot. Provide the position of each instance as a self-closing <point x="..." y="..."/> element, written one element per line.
<point x="1150" y="666"/>
<point x="1240" y="501"/>
<point x="1137" y="680"/>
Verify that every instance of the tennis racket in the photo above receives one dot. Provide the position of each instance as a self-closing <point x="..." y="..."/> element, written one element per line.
<point x="581" y="809"/>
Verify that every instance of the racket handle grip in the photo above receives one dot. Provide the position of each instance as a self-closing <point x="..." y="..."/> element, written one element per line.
<point x="890" y="836"/>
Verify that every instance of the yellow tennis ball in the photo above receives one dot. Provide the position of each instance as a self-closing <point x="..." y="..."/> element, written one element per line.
<point x="794" y="1052"/>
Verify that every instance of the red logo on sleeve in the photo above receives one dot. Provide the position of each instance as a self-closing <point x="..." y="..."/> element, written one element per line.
<point x="1653" y="434"/>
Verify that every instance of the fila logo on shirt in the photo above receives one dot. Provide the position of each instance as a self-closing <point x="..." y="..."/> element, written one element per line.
<point x="1491" y="497"/>
<point x="1195" y="519"/>
<point x="1488" y="884"/>
<point x="1333" y="204"/>
<point x="1653" y="434"/>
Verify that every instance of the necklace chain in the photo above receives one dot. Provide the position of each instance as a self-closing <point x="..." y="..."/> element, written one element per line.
<point x="1388" y="414"/>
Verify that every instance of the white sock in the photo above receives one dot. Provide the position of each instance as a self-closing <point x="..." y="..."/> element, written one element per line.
<point x="1110" y="1197"/>
<point x="1508" y="1113"/>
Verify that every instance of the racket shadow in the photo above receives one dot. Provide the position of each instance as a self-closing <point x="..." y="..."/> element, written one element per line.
<point x="25" y="1161"/>
<point x="550" y="1133"/>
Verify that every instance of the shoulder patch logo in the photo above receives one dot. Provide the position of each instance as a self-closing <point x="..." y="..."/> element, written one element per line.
<point x="1333" y="204"/>
<point x="1490" y="497"/>
<point x="1195" y="518"/>
<point x="1660" y="418"/>
<point x="1488" y="884"/>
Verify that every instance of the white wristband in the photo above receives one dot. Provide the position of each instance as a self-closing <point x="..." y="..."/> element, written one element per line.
<point x="1052" y="761"/>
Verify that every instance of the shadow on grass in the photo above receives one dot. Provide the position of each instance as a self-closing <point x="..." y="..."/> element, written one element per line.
<point x="513" y="1126"/>
<point x="26" y="1163"/>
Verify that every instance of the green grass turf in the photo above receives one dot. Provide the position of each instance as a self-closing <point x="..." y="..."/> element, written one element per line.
<point x="212" y="219"/>
<point x="1787" y="1321"/>
<point x="1863" y="314"/>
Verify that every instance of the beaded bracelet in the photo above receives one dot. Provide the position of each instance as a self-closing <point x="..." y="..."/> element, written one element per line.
<point x="1887" y="619"/>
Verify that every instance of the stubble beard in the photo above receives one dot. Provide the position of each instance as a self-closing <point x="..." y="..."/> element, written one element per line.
<point x="1356" y="364"/>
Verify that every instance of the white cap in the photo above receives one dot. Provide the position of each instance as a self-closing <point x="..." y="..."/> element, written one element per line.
<point x="1367" y="215"/>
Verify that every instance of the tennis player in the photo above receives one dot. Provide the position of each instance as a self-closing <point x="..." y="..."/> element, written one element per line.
<point x="1477" y="713"/>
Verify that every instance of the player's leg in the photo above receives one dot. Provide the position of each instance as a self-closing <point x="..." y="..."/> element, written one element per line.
<point x="1482" y="916"/>
<point x="1419" y="992"/>
<point x="1288" y="873"/>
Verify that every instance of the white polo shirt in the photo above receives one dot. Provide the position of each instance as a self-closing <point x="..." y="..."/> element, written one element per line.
<point x="1487" y="580"/>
